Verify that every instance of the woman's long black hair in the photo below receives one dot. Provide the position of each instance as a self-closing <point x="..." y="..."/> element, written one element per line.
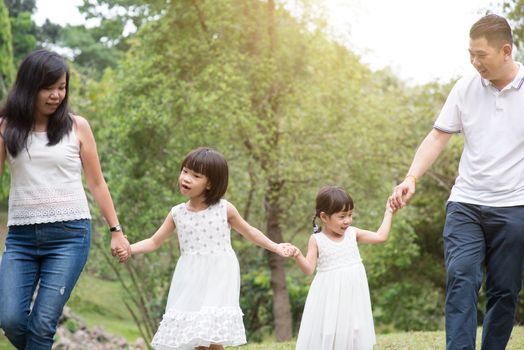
<point x="40" y="69"/>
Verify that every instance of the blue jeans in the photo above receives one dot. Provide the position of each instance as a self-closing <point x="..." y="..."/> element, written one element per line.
<point x="478" y="237"/>
<point x="52" y="256"/>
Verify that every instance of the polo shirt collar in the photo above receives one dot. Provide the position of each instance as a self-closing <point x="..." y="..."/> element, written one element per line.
<point x="517" y="82"/>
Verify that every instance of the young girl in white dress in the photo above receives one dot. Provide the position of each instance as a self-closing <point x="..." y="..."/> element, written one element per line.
<point x="202" y="308"/>
<point x="337" y="314"/>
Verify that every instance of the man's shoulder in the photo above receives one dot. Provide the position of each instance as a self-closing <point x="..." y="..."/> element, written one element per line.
<point x="469" y="79"/>
<point x="470" y="82"/>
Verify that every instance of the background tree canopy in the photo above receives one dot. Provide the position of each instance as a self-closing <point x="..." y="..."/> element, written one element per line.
<point x="291" y="109"/>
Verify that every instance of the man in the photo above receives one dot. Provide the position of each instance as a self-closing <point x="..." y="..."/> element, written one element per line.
<point x="484" y="225"/>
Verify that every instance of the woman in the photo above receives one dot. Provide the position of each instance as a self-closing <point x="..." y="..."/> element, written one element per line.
<point x="49" y="225"/>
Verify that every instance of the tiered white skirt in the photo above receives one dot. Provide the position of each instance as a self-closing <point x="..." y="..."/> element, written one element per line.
<point x="337" y="314"/>
<point x="203" y="304"/>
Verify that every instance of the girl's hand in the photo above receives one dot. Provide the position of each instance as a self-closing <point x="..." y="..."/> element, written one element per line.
<point x="123" y="254"/>
<point x="293" y="251"/>
<point x="297" y="252"/>
<point x="389" y="206"/>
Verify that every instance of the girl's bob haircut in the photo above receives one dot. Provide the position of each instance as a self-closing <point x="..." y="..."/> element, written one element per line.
<point x="213" y="165"/>
<point x="333" y="199"/>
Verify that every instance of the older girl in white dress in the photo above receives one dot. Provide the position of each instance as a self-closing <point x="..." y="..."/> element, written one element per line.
<point x="202" y="308"/>
<point x="337" y="314"/>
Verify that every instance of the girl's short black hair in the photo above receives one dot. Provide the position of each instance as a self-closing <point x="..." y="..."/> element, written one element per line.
<point x="332" y="199"/>
<point x="213" y="165"/>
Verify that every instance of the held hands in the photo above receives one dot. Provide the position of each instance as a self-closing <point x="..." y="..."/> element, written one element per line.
<point x="389" y="208"/>
<point x="402" y="193"/>
<point x="123" y="255"/>
<point x="297" y="252"/>
<point x="120" y="247"/>
<point x="286" y="250"/>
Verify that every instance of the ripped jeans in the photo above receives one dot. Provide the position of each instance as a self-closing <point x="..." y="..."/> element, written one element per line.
<point x="51" y="256"/>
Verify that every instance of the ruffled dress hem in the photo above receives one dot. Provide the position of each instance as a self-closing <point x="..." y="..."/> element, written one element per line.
<point x="181" y="330"/>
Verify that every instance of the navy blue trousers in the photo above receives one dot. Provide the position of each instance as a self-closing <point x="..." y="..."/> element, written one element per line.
<point x="476" y="239"/>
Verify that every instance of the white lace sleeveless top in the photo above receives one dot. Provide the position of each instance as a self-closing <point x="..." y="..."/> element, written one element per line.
<point x="334" y="255"/>
<point x="203" y="232"/>
<point x="46" y="182"/>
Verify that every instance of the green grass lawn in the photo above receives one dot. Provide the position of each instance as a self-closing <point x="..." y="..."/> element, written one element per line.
<point x="436" y="340"/>
<point x="4" y="345"/>
<point x="393" y="341"/>
<point x="99" y="303"/>
<point x="403" y="341"/>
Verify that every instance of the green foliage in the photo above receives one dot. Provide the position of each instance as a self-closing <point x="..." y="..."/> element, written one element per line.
<point x="17" y="7"/>
<point x="101" y="42"/>
<point x="23" y="28"/>
<point x="292" y="111"/>
<point x="90" y="50"/>
<point x="116" y="14"/>
<point x="410" y="266"/>
<point x="291" y="115"/>
<point x="514" y="11"/>
<point x="256" y="301"/>
<point x="6" y="52"/>
<point x="24" y="35"/>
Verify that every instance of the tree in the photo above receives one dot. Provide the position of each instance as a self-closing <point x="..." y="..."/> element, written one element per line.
<point x="17" y="7"/>
<point x="251" y="80"/>
<point x="514" y="9"/>
<point x="22" y="26"/>
<point x="292" y="111"/>
<point x="93" y="48"/>
<point x="6" y="52"/>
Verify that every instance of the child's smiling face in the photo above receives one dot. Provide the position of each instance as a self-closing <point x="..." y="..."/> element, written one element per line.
<point x="337" y="223"/>
<point x="192" y="184"/>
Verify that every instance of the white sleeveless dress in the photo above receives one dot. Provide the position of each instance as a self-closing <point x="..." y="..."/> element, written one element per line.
<point x="337" y="314"/>
<point x="203" y="302"/>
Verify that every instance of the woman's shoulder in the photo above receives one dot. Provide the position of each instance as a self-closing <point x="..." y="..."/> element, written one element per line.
<point x="79" y="122"/>
<point x="81" y="129"/>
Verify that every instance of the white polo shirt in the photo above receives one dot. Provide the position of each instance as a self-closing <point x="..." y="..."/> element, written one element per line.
<point x="491" y="169"/>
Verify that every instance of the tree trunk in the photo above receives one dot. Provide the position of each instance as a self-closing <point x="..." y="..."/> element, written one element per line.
<point x="281" y="305"/>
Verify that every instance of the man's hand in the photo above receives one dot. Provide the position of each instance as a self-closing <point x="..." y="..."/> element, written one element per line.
<point x="403" y="192"/>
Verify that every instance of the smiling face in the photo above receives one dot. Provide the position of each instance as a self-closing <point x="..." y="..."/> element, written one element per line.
<point x="336" y="224"/>
<point x="490" y="60"/>
<point x="49" y="98"/>
<point x="192" y="184"/>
